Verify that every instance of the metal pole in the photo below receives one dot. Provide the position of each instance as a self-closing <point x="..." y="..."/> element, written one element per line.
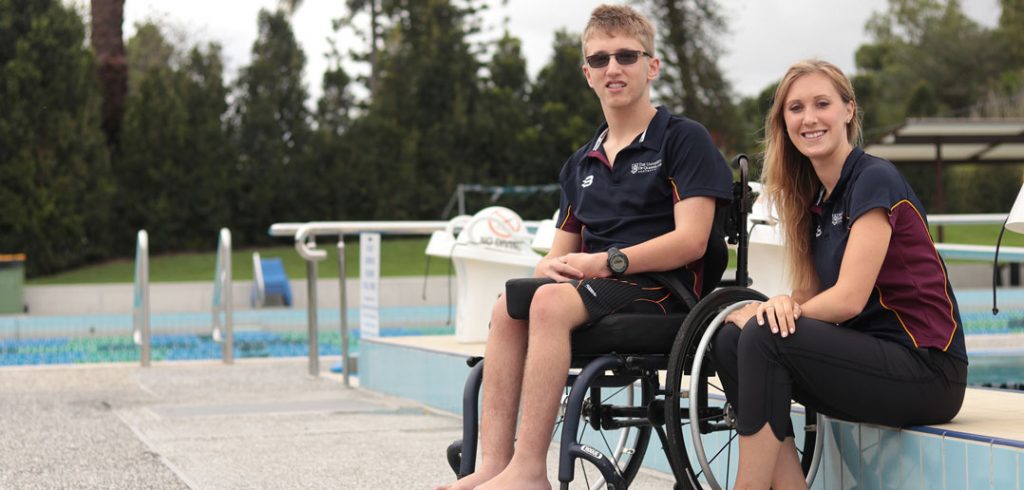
<point x="228" y="348"/>
<point x="146" y="333"/>
<point x="345" y="361"/>
<point x="462" y="200"/>
<point x="314" y="341"/>
<point x="140" y="306"/>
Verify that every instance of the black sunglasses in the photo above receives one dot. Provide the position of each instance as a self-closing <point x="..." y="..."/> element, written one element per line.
<point x="624" y="57"/>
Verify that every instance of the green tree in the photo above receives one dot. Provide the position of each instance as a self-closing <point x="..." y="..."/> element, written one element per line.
<point x="55" y="185"/>
<point x="564" y="108"/>
<point x="420" y="117"/>
<point x="1010" y="32"/>
<point x="273" y="132"/>
<point x="148" y="48"/>
<point x="330" y="147"/>
<point x="175" y="157"/>
<point x="928" y="51"/>
<point x="508" y="138"/>
<point x="692" y="84"/>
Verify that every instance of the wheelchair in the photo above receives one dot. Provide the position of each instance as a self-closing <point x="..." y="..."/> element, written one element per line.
<point x="634" y="374"/>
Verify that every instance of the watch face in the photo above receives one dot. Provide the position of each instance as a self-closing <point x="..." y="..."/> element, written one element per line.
<point x="617" y="263"/>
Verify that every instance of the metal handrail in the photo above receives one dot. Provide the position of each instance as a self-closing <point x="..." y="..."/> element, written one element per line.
<point x="305" y="235"/>
<point x="223" y="303"/>
<point x="140" y="300"/>
<point x="967" y="219"/>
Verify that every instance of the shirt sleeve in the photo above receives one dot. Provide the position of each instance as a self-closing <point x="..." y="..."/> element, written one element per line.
<point x="566" y="219"/>
<point x="697" y="168"/>
<point x="878" y="186"/>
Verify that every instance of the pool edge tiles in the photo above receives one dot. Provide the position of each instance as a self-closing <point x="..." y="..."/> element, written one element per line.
<point x="430" y="370"/>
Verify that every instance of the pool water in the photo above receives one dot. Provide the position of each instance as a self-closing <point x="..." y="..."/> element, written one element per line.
<point x="996" y="371"/>
<point x="69" y="350"/>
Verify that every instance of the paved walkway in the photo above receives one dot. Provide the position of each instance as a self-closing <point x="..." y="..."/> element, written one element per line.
<point x="259" y="424"/>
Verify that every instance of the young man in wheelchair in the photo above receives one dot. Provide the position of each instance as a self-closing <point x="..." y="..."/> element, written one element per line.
<point x="640" y="197"/>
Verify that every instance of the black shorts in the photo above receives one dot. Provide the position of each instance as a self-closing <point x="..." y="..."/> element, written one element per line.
<point x="635" y="293"/>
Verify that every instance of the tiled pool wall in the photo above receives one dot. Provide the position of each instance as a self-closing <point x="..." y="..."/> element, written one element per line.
<point x="859" y="456"/>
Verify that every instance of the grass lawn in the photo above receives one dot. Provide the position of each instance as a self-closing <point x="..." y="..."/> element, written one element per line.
<point x="400" y="256"/>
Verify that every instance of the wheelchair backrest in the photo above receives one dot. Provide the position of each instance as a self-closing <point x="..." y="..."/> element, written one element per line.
<point x="716" y="256"/>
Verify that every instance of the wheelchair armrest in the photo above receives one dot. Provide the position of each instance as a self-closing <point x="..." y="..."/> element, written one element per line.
<point x="519" y="295"/>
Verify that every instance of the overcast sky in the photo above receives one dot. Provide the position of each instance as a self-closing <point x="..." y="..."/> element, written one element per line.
<point x="764" y="36"/>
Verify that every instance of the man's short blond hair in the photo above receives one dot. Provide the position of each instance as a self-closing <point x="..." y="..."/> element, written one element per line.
<point x="619" y="20"/>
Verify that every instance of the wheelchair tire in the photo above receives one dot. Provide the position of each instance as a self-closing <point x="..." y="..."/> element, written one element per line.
<point x="699" y="422"/>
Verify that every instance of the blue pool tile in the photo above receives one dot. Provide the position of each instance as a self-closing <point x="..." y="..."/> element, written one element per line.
<point x="911" y="475"/>
<point x="1004" y="467"/>
<point x="979" y="466"/>
<point x="830" y="471"/>
<point x="954" y="462"/>
<point x="932" y="471"/>
<point x="849" y="448"/>
<point x="870" y="457"/>
<point x="889" y="459"/>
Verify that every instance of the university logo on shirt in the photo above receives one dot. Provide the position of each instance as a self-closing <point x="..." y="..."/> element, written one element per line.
<point x="645" y="167"/>
<point x="837" y="218"/>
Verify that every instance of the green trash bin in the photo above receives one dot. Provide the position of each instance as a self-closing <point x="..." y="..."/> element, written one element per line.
<point x="12" y="283"/>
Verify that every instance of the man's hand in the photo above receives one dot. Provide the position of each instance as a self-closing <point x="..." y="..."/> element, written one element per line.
<point x="743" y="315"/>
<point x="590" y="265"/>
<point x="557" y="268"/>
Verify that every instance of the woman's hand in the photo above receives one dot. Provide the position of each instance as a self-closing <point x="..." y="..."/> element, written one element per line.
<point x="743" y="315"/>
<point x="781" y="313"/>
<point x="558" y="268"/>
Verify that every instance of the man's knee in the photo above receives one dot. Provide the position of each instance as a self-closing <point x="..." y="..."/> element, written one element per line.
<point x="500" y="319"/>
<point x="556" y="303"/>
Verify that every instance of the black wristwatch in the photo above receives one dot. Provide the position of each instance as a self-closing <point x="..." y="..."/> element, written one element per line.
<point x="617" y="261"/>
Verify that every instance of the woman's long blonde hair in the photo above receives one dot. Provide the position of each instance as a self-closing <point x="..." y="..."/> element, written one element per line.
<point x="788" y="177"/>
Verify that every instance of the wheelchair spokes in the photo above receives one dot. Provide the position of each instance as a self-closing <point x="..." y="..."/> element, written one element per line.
<point x="600" y="428"/>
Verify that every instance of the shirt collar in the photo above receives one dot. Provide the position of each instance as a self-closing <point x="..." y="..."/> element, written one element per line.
<point x="651" y="138"/>
<point x="844" y="177"/>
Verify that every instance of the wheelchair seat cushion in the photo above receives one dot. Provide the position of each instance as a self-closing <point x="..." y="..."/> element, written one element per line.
<point x="628" y="333"/>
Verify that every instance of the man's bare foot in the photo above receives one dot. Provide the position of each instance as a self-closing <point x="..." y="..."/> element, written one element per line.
<point x="519" y="477"/>
<point x="472" y="480"/>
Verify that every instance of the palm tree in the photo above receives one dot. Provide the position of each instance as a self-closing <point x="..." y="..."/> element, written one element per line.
<point x="112" y="70"/>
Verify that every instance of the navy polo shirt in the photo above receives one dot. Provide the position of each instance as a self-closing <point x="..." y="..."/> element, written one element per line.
<point x="632" y="201"/>
<point x="912" y="301"/>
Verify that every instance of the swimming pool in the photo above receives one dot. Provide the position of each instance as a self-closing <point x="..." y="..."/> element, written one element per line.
<point x="28" y="340"/>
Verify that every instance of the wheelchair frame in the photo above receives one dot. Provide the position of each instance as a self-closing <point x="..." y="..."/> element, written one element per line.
<point x="682" y="410"/>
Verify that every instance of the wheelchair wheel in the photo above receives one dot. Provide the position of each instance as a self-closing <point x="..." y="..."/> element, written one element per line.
<point x="608" y="424"/>
<point x="700" y="423"/>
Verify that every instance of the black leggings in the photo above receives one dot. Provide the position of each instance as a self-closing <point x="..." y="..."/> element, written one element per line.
<point x="837" y="371"/>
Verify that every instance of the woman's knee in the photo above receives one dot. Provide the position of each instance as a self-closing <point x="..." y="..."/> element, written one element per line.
<point x="755" y="339"/>
<point x="726" y="339"/>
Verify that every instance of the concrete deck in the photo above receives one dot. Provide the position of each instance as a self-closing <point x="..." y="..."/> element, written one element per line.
<point x="202" y="425"/>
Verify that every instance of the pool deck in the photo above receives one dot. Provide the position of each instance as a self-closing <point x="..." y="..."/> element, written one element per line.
<point x="261" y="423"/>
